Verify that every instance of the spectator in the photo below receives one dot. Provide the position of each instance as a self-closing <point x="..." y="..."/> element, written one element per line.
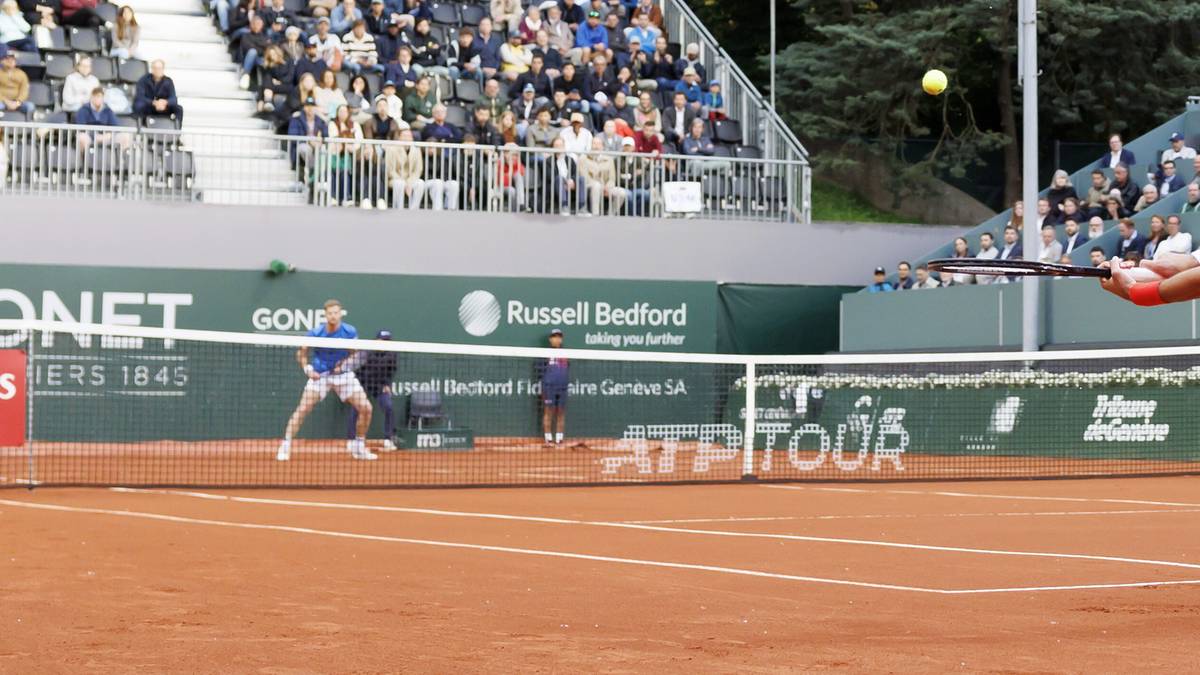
<point x="530" y="25"/>
<point x="573" y="14"/>
<point x="689" y="86"/>
<point x="311" y="63"/>
<point x="294" y="47"/>
<point x="395" y="105"/>
<point x="462" y="57"/>
<point x="377" y="126"/>
<point x="1072" y="237"/>
<point x="404" y="167"/>
<point x="1122" y="183"/>
<point x="250" y="47"/>
<point x="1012" y="249"/>
<point x="78" y="87"/>
<point x="155" y="94"/>
<point x="427" y="51"/>
<point x="378" y="18"/>
<point x="536" y="76"/>
<point x="645" y="111"/>
<point x="652" y="10"/>
<point x="441" y="181"/>
<point x="344" y="16"/>
<point x="418" y="105"/>
<point x="1096" y="256"/>
<point x="14" y="84"/>
<point x="560" y="110"/>
<point x="489" y="48"/>
<point x="492" y="99"/>
<point x="278" y="30"/>
<point x="307" y="124"/>
<point x="961" y="250"/>
<point x="662" y="66"/>
<point x="329" y="45"/>
<point x="574" y="86"/>
<point x="712" y="103"/>
<point x="599" y="172"/>
<point x="359" y="99"/>
<point x="1050" y="250"/>
<point x="329" y="96"/>
<point x="359" y="47"/>
<point x="239" y="23"/>
<point x="1113" y="208"/>
<point x="277" y="79"/>
<point x="81" y="13"/>
<point x="321" y="8"/>
<point x="306" y="87"/>
<point x="576" y="139"/>
<point x="635" y="171"/>
<point x="602" y="85"/>
<point x="622" y="113"/>
<point x="592" y="39"/>
<point x="561" y="36"/>
<point x="438" y="131"/>
<point x="690" y="59"/>
<point x="1095" y="228"/>
<point x="343" y="159"/>
<point x="1131" y="240"/>
<point x="552" y="61"/>
<point x="414" y="12"/>
<point x="697" y="145"/>
<point x="512" y="177"/>
<point x="507" y="13"/>
<point x="648" y="139"/>
<point x="1196" y="170"/>
<point x="1070" y="210"/>
<point x="1117" y="155"/>
<point x="541" y="133"/>
<point x="1176" y="153"/>
<point x="381" y="125"/>
<point x="640" y="66"/>
<point x="15" y="31"/>
<point x="1169" y="182"/>
<point x="1060" y="190"/>
<point x="677" y="120"/>
<point x="97" y="114"/>
<point x="880" y="285"/>
<point x="126" y="36"/>
<point x="482" y="129"/>
<point x="904" y="280"/>
<point x="403" y="71"/>
<point x="1017" y="219"/>
<point x="508" y="127"/>
<point x="923" y="279"/>
<point x="618" y="46"/>
<point x="1193" y="199"/>
<point x="1149" y="197"/>
<point x="1158" y="234"/>
<point x="524" y="109"/>
<point x="1045" y="215"/>
<point x="644" y="32"/>
<point x="388" y="44"/>
<point x="514" y="58"/>
<point x="1097" y="193"/>
<point x="1177" y="242"/>
<point x="277" y="9"/>
<point x="987" y="251"/>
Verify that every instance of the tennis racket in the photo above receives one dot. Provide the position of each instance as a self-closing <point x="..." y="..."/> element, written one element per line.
<point x="1016" y="268"/>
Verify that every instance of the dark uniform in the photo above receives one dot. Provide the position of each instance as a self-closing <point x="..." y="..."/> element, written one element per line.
<point x="375" y="375"/>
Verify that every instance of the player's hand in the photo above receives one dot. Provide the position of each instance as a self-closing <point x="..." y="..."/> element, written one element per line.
<point x="1120" y="282"/>
<point x="1170" y="265"/>
<point x="311" y="372"/>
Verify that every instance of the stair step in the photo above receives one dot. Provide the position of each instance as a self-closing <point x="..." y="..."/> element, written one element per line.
<point x="182" y="28"/>
<point x="205" y="107"/>
<point x="181" y="7"/>
<point x="254" y="197"/>
<point x="174" y="52"/>
<point x="216" y="145"/>
<point x="206" y="82"/>
<point x="221" y="125"/>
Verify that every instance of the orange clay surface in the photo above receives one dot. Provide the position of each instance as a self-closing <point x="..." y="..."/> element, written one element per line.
<point x="720" y="578"/>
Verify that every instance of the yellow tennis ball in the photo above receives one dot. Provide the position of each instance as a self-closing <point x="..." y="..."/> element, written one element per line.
<point x="934" y="82"/>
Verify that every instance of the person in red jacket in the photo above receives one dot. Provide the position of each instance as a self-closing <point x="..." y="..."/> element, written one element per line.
<point x="81" y="13"/>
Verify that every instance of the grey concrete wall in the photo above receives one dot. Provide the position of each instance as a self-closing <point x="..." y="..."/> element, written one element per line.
<point x="40" y="230"/>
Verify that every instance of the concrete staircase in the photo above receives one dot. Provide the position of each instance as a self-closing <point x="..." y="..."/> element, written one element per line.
<point x="235" y="159"/>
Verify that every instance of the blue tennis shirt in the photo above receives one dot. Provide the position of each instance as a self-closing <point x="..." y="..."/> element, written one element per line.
<point x="325" y="358"/>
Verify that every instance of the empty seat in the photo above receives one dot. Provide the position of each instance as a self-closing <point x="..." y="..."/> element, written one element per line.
<point x="131" y="70"/>
<point x="747" y="152"/>
<point x="108" y="12"/>
<point x="56" y="41"/>
<point x="104" y="69"/>
<point x="471" y="14"/>
<point x="467" y="90"/>
<point x="728" y="131"/>
<point x="159" y="123"/>
<point x="127" y="121"/>
<point x="722" y="151"/>
<point x="456" y="116"/>
<point x="445" y="13"/>
<point x="674" y="49"/>
<point x="296" y="6"/>
<point x="40" y="95"/>
<point x="86" y="40"/>
<point x="27" y="60"/>
<point x="426" y="405"/>
<point x="13" y="116"/>
<point x="59" y="66"/>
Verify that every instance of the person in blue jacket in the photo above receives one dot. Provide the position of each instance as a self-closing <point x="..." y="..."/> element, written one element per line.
<point x="155" y="94"/>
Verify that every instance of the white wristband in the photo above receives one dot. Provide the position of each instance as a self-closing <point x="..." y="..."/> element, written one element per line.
<point x="308" y="369"/>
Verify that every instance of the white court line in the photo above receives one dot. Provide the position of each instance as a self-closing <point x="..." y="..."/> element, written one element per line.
<point x="943" y="493"/>
<point x="913" y="516"/>
<point x="577" y="556"/>
<point x="659" y="528"/>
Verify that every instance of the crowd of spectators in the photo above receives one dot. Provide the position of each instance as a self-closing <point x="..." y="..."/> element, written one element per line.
<point x="1082" y="220"/>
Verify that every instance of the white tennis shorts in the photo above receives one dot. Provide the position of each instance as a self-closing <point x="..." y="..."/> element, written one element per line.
<point x="345" y="384"/>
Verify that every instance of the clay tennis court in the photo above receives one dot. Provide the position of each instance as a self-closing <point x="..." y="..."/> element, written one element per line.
<point x="1034" y="576"/>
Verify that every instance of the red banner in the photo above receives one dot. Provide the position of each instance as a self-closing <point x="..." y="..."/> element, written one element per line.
<point x="12" y="398"/>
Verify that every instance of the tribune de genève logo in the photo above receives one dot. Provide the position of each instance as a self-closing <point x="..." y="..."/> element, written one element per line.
<point x="479" y="313"/>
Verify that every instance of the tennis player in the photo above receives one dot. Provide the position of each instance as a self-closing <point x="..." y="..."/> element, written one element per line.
<point x="1172" y="278"/>
<point x="553" y="375"/>
<point x="330" y="368"/>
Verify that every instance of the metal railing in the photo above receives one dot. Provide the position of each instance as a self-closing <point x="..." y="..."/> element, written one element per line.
<point x="169" y="165"/>
<point x="760" y="122"/>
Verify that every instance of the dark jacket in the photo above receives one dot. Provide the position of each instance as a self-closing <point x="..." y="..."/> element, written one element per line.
<point x="542" y="85"/>
<point x="377" y="371"/>
<point x="489" y="50"/>
<point x="317" y="68"/>
<point x="149" y="91"/>
<point x="1127" y="159"/>
<point x="1058" y="196"/>
<point x="104" y="118"/>
<point x="1129" y="194"/>
<point x="1136" y="243"/>
<point x="486" y="134"/>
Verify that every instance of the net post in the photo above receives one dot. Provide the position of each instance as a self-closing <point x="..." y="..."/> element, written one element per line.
<point x="29" y="373"/>
<point x="751" y="406"/>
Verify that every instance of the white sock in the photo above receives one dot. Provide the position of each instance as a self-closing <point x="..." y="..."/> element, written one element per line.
<point x="287" y="443"/>
<point x="558" y="437"/>
<point x="549" y="438"/>
<point x="361" y="441"/>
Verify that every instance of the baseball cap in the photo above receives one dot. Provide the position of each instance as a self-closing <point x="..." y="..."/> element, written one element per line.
<point x="880" y="270"/>
<point x="1176" y="136"/>
<point x="689" y="71"/>
<point x="4" y="52"/>
<point x="389" y="83"/>
<point x="322" y="20"/>
<point x="292" y="31"/>
<point x="547" y="5"/>
<point x="576" y="117"/>
<point x="714" y="83"/>
<point x="627" y="141"/>
<point x="635" y="40"/>
<point x="528" y="87"/>
<point x="556" y="331"/>
<point x="593" y="14"/>
<point x="383" y="335"/>
<point x="376" y="2"/>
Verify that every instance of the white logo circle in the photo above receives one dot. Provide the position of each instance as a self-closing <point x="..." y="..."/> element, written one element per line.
<point x="479" y="313"/>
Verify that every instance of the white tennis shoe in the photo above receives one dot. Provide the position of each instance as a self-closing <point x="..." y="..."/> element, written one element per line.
<point x="285" y="452"/>
<point x="358" y="450"/>
<point x="388" y="445"/>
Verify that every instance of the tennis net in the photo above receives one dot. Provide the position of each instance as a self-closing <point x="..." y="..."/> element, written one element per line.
<point x="133" y="406"/>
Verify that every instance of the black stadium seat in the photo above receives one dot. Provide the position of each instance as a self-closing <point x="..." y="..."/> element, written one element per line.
<point x="728" y="131"/>
<point x="471" y="14"/>
<point x="128" y="121"/>
<point x="132" y="70"/>
<point x="13" y="116"/>
<point x="467" y="90"/>
<point x="40" y="95"/>
<point x="445" y="13"/>
<point x="86" y="40"/>
<point x="58" y="41"/>
<point x="747" y="152"/>
<point x="722" y="151"/>
<point x="59" y="66"/>
<point x="456" y="116"/>
<point x="104" y="69"/>
<point x="108" y="12"/>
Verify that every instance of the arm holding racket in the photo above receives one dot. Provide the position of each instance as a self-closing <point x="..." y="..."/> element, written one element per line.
<point x="302" y="359"/>
<point x="1178" y="279"/>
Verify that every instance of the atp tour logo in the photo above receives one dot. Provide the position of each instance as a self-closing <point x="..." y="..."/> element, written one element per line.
<point x="1117" y="420"/>
<point x="479" y="313"/>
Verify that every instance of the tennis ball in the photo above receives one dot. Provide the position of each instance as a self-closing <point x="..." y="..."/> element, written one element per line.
<point x="934" y="82"/>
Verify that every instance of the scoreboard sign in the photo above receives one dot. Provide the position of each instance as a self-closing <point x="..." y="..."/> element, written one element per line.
<point x="12" y="398"/>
